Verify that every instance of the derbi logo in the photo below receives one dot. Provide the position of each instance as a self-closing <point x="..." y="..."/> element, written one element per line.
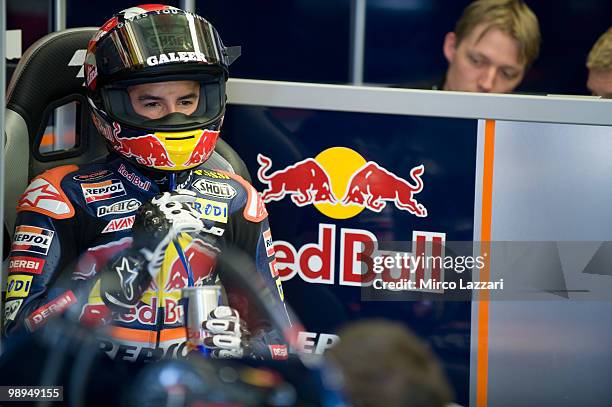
<point x="20" y="264"/>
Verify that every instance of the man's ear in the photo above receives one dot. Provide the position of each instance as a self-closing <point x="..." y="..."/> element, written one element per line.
<point x="450" y="46"/>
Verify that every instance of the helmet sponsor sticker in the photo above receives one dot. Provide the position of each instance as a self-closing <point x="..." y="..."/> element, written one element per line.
<point x="101" y="191"/>
<point x="25" y="264"/>
<point x="176" y="57"/>
<point x="267" y="236"/>
<point x="40" y="317"/>
<point x="116" y="225"/>
<point x="211" y="210"/>
<point x="214" y="188"/>
<point x="32" y="239"/>
<point x="211" y="174"/>
<point x="18" y="286"/>
<point x="41" y="194"/>
<point x="127" y="206"/>
<point x="11" y="308"/>
<point x="92" y="176"/>
<point x="134" y="179"/>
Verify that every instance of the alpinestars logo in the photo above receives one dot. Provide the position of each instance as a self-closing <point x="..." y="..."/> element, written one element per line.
<point x="127" y="276"/>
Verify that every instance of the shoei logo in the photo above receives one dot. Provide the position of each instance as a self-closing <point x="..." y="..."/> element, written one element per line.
<point x="214" y="188"/>
<point x="176" y="57"/>
<point x="340" y="184"/>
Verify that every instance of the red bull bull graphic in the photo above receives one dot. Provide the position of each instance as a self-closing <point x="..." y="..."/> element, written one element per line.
<point x="306" y="181"/>
<point x="203" y="148"/>
<point x="342" y="172"/>
<point x="147" y="150"/>
<point x="372" y="185"/>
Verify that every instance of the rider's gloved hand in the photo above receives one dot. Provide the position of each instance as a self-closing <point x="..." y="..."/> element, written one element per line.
<point x="230" y="338"/>
<point x="227" y="334"/>
<point x="126" y="277"/>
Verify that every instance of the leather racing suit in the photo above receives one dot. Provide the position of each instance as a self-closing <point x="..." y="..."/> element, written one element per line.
<point x="72" y="220"/>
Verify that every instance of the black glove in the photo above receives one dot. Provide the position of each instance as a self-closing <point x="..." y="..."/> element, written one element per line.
<point x="126" y="277"/>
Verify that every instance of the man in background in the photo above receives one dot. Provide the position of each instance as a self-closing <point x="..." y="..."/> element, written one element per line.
<point x="384" y="364"/>
<point x="493" y="45"/>
<point x="599" y="63"/>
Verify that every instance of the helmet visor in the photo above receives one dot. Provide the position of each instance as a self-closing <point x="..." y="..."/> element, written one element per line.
<point x="158" y="38"/>
<point x="167" y="102"/>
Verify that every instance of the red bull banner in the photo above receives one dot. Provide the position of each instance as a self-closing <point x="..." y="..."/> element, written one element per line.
<point x="337" y="185"/>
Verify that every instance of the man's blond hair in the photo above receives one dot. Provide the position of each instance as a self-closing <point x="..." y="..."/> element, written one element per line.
<point x="512" y="17"/>
<point x="600" y="57"/>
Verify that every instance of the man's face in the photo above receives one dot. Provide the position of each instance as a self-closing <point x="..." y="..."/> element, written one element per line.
<point x="600" y="83"/>
<point x="156" y="100"/>
<point x="487" y="64"/>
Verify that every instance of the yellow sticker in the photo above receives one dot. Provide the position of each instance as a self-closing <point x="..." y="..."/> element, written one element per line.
<point x="18" y="286"/>
<point x="211" y="174"/>
<point x="279" y="286"/>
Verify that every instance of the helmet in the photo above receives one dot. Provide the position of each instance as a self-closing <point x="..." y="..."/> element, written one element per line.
<point x="162" y="46"/>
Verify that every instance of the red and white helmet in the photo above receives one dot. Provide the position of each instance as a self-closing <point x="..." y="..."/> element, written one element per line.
<point x="157" y="43"/>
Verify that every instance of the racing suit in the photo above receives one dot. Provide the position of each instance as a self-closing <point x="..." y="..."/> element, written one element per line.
<point x="72" y="220"/>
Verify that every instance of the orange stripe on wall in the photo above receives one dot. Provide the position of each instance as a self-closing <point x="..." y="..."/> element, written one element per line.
<point x="482" y="355"/>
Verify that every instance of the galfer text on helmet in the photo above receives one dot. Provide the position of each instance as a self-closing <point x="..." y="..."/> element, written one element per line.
<point x="176" y="57"/>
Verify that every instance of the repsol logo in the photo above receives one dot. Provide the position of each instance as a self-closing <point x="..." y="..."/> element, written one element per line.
<point x="32" y="239"/>
<point x="102" y="190"/>
<point x="142" y="353"/>
<point x="105" y="190"/>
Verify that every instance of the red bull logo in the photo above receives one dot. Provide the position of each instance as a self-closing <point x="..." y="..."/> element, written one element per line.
<point x="342" y="172"/>
<point x="147" y="150"/>
<point x="372" y="185"/>
<point x="352" y="261"/>
<point x="203" y="148"/>
<point x="306" y="181"/>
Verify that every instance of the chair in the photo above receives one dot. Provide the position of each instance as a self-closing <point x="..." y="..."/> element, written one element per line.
<point x="48" y="85"/>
